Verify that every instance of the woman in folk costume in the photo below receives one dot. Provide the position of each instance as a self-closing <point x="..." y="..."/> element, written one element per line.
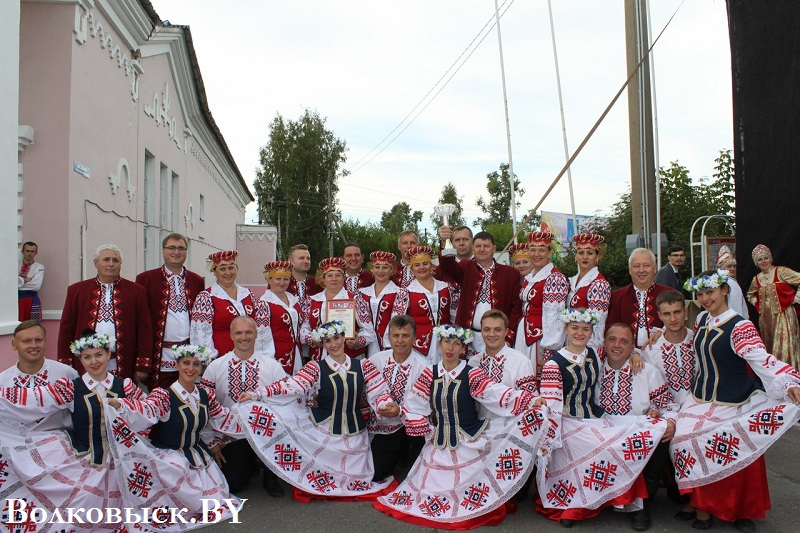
<point x="544" y="296"/>
<point x="333" y="284"/>
<point x="736" y="301"/>
<point x="285" y="315"/>
<point x="380" y="296"/>
<point x="216" y="307"/>
<point x="521" y="258"/>
<point x="177" y="469"/>
<point x="772" y="293"/>
<point x="588" y="289"/>
<point x="426" y="300"/>
<point x="59" y="469"/>
<point x="467" y="470"/>
<point x="596" y="461"/>
<point x="730" y="419"/>
<point x="322" y="450"/>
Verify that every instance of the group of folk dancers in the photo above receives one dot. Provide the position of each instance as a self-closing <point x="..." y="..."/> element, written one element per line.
<point x="598" y="423"/>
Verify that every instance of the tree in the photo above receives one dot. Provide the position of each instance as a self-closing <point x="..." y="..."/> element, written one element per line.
<point x="400" y="218"/>
<point x="450" y="196"/>
<point x="291" y="184"/>
<point x="498" y="205"/>
<point x="722" y="186"/>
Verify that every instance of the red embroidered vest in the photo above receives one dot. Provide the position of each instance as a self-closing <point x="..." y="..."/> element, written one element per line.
<point x="420" y="311"/>
<point x="533" y="312"/>
<point x="224" y="313"/>
<point x="284" y="335"/>
<point x="381" y="320"/>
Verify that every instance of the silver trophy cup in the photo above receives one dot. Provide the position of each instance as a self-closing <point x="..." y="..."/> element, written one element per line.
<point x="444" y="211"/>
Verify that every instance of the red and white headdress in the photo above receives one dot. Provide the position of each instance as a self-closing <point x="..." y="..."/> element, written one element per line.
<point x="521" y="249"/>
<point x="540" y="238"/>
<point x="378" y="257"/>
<point x="419" y="253"/>
<point x="218" y="258"/>
<point x="725" y="258"/>
<point x="761" y="252"/>
<point x="330" y="264"/>
<point x="588" y="240"/>
<point x="278" y="268"/>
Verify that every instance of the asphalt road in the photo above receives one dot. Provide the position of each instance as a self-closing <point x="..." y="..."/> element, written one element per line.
<point x="262" y="513"/>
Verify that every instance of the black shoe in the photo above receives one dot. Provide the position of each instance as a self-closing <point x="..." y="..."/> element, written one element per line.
<point x="641" y="520"/>
<point x="685" y="516"/>
<point x="703" y="524"/>
<point x="271" y="484"/>
<point x="745" y="526"/>
<point x="567" y="522"/>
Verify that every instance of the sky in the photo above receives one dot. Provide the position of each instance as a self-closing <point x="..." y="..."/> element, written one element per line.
<point x="366" y="65"/>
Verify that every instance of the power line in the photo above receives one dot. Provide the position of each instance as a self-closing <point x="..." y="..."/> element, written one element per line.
<point x="490" y="24"/>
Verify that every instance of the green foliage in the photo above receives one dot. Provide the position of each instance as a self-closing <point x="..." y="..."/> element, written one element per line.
<point x="682" y="202"/>
<point x="370" y="237"/>
<point x="497" y="206"/>
<point x="291" y="182"/>
<point x="400" y="218"/>
<point x="450" y="196"/>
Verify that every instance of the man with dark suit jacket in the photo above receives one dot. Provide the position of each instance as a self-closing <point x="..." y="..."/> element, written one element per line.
<point x="171" y="291"/>
<point x="485" y="284"/>
<point x="635" y="304"/>
<point x="668" y="274"/>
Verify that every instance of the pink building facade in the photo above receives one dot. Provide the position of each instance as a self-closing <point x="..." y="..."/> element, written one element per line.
<point x="115" y="144"/>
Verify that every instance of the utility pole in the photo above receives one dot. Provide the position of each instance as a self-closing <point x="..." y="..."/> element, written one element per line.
<point x="640" y="121"/>
<point x="330" y="215"/>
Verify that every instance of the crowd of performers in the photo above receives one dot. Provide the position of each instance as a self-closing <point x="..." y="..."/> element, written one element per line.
<point x="425" y="409"/>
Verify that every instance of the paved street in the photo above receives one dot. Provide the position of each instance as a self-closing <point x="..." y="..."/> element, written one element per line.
<point x="262" y="513"/>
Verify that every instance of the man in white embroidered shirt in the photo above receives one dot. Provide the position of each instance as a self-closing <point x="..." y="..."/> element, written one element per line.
<point x="241" y="370"/>
<point x="33" y="369"/>
<point x="30" y="277"/>
<point x="621" y="393"/>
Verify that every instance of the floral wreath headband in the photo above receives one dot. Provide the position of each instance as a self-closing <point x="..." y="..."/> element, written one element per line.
<point x="579" y="315"/>
<point x="453" y="332"/>
<point x="96" y="340"/>
<point x="709" y="281"/>
<point x="328" y="331"/>
<point x="192" y="350"/>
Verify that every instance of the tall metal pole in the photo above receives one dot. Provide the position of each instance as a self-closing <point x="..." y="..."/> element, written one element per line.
<point x="657" y="164"/>
<point x="643" y="189"/>
<point x="508" y="125"/>
<point x="563" y="122"/>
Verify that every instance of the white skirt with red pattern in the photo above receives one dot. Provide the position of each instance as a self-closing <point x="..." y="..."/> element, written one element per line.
<point x="468" y="486"/>
<point x="597" y="466"/>
<point x="320" y="465"/>
<point x="162" y="479"/>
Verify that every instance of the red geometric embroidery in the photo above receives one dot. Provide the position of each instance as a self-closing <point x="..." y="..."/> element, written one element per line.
<point x="27" y="381"/>
<point x="638" y="446"/>
<point x="19" y="523"/>
<point x="397" y="386"/>
<point x="321" y="481"/>
<point x="3" y="472"/>
<point x="661" y="397"/>
<point x="621" y="402"/>
<point x="475" y="497"/>
<point x="530" y="422"/>
<point x="242" y="376"/>
<point x="261" y="421"/>
<point x="768" y="421"/>
<point x="435" y="506"/>
<point x="140" y="481"/>
<point x="494" y="367"/>
<point x="561" y="494"/>
<point x="123" y="434"/>
<point x="287" y="457"/>
<point x="509" y="464"/>
<point x="679" y="371"/>
<point x="600" y="476"/>
<point x="401" y="498"/>
<point x="684" y="462"/>
<point x="723" y="449"/>
<point x="358" y="486"/>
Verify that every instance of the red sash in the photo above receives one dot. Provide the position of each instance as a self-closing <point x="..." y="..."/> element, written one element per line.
<point x="533" y="313"/>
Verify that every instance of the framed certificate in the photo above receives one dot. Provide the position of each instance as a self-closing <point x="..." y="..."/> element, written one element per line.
<point x="345" y="312"/>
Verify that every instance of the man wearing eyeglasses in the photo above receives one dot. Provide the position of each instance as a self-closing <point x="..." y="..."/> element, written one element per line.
<point x="669" y="275"/>
<point x="171" y="291"/>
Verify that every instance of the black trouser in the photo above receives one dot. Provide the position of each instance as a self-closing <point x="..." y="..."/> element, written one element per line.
<point x="395" y="450"/>
<point x="240" y="463"/>
<point x="654" y="469"/>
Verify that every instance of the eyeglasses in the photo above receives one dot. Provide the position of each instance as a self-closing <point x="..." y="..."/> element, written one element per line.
<point x="176" y="248"/>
